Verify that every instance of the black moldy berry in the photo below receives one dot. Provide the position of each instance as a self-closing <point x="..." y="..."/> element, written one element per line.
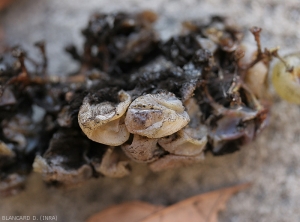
<point x="118" y="42"/>
<point x="135" y="98"/>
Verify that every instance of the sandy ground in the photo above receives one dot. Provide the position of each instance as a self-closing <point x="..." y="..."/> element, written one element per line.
<point x="272" y="163"/>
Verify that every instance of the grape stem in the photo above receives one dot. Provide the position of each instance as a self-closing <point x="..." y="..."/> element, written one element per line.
<point x="288" y="68"/>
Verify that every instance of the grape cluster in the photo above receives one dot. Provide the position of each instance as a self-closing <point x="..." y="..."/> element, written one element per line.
<point x="134" y="98"/>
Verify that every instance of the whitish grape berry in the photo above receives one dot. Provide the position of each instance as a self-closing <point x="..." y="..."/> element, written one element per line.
<point x="286" y="78"/>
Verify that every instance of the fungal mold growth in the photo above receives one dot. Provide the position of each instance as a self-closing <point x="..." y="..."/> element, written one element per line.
<point x="135" y="98"/>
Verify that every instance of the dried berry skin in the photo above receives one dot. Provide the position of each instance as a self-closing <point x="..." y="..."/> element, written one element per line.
<point x="65" y="161"/>
<point x="113" y="164"/>
<point x="142" y="149"/>
<point x="156" y="115"/>
<point x="134" y="98"/>
<point x="115" y="42"/>
<point x="103" y="122"/>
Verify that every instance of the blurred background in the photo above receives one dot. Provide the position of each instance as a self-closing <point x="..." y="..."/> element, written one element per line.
<point x="271" y="163"/>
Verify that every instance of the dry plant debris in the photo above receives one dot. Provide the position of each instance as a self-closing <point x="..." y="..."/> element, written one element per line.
<point x="134" y="98"/>
<point x="201" y="208"/>
<point x="133" y="211"/>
